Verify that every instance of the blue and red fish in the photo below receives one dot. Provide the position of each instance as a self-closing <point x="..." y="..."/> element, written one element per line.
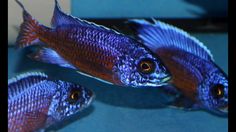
<point x="202" y="83"/>
<point x="93" y="50"/>
<point x="36" y="102"/>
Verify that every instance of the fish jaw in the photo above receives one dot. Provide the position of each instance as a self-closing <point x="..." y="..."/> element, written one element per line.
<point x="224" y="110"/>
<point x="89" y="98"/>
<point x="127" y="70"/>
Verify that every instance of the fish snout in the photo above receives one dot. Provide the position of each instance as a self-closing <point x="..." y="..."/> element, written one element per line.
<point x="224" y="109"/>
<point x="164" y="74"/>
<point x="90" y="97"/>
<point x="166" y="78"/>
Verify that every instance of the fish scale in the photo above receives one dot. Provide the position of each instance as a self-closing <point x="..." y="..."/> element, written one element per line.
<point x="96" y="50"/>
<point x="30" y="101"/>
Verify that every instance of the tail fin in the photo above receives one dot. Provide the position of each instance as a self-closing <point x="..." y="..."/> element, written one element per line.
<point x="27" y="35"/>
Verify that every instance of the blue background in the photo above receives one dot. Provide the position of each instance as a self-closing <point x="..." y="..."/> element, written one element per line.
<point x="125" y="109"/>
<point x="149" y="8"/>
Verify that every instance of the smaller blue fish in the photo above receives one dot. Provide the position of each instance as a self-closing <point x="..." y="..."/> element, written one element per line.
<point x="36" y="102"/>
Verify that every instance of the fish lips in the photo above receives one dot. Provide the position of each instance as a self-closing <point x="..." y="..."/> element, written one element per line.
<point x="222" y="112"/>
<point x="92" y="97"/>
<point x="159" y="82"/>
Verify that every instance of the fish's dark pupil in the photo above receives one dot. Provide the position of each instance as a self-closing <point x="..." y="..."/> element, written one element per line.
<point x="75" y="95"/>
<point x="146" y="66"/>
<point x="218" y="91"/>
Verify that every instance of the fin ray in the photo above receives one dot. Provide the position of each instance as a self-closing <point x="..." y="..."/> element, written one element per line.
<point x="48" y="55"/>
<point x="27" y="35"/>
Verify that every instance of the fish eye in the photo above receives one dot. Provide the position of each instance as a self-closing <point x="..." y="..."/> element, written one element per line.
<point x="146" y="66"/>
<point x="218" y="91"/>
<point x="74" y="96"/>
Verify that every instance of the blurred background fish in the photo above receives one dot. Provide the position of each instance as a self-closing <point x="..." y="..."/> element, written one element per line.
<point x="201" y="82"/>
<point x="94" y="50"/>
<point x="36" y="102"/>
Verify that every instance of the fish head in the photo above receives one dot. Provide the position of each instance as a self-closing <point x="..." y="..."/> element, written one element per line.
<point x="69" y="100"/>
<point x="141" y="69"/>
<point x="213" y="93"/>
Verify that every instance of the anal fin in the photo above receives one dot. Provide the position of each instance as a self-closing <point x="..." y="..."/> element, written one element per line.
<point x="48" y="55"/>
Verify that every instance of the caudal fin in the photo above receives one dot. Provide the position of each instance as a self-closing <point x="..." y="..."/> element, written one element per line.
<point x="28" y="30"/>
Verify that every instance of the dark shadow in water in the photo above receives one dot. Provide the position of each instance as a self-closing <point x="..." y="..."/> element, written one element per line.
<point x="86" y="112"/>
<point x="212" y="8"/>
<point x="145" y="98"/>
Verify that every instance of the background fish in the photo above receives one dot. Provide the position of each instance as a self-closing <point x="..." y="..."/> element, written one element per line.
<point x="36" y="102"/>
<point x="94" y="50"/>
<point x="202" y="83"/>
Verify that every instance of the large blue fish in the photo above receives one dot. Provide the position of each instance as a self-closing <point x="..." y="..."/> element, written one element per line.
<point x="93" y="50"/>
<point x="194" y="73"/>
<point x="36" y="102"/>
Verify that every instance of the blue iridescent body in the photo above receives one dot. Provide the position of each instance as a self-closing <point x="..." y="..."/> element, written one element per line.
<point x="194" y="73"/>
<point x="93" y="50"/>
<point x="35" y="102"/>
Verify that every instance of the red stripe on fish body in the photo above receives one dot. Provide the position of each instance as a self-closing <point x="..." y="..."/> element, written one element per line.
<point x="90" y="50"/>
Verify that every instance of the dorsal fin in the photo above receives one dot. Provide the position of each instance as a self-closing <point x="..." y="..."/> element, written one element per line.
<point x="160" y="35"/>
<point x="61" y="18"/>
<point x="23" y="81"/>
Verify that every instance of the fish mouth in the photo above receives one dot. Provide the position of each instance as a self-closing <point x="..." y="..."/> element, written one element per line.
<point x="90" y="100"/>
<point x="155" y="83"/>
<point x="92" y="97"/>
<point x="224" y="110"/>
<point x="221" y="111"/>
<point x="165" y="79"/>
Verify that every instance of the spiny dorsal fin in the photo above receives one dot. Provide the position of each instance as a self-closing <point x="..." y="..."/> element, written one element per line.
<point x="61" y="18"/>
<point x="160" y="35"/>
<point x="23" y="81"/>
